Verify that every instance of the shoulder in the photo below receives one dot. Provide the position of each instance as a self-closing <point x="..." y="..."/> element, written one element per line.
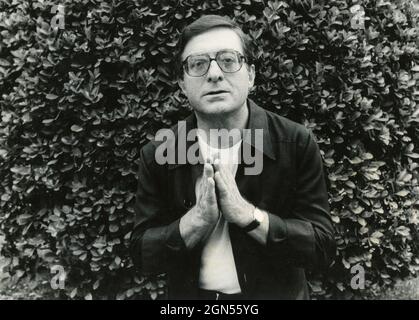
<point x="287" y="131"/>
<point x="294" y="142"/>
<point x="163" y="144"/>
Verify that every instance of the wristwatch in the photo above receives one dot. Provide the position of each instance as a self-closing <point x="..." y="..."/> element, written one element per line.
<point x="257" y="220"/>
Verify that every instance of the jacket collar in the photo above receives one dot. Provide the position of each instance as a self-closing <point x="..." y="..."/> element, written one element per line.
<point x="258" y="119"/>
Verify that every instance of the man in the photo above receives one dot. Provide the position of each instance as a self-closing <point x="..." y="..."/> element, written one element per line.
<point x="217" y="232"/>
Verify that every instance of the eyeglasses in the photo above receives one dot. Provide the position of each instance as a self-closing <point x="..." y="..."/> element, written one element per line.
<point x="229" y="61"/>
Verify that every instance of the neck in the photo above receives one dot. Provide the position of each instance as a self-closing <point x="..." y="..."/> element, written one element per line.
<point x="233" y="122"/>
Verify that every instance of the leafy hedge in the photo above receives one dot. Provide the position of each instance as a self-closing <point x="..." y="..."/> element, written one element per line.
<point x="78" y="103"/>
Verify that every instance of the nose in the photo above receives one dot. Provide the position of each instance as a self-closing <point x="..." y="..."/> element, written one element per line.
<point x="214" y="72"/>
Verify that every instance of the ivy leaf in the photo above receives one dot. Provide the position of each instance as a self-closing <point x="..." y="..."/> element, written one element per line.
<point x="403" y="231"/>
<point x="76" y="128"/>
<point x="402" y="193"/>
<point x="113" y="228"/>
<point x="51" y="96"/>
<point x="73" y="293"/>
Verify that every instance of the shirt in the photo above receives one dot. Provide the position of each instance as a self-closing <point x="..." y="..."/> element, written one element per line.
<point x="218" y="269"/>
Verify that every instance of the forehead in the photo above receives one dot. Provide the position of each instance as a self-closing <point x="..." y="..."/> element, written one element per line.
<point x="213" y="40"/>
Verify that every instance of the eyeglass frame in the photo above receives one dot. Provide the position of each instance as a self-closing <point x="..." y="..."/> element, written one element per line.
<point x="242" y="58"/>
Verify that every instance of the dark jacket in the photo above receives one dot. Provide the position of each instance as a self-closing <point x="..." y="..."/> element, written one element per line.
<point x="291" y="188"/>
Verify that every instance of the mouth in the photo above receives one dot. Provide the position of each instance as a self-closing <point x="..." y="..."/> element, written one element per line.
<point x="215" y="92"/>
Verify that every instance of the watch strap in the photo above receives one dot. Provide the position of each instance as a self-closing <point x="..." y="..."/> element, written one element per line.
<point x="251" y="226"/>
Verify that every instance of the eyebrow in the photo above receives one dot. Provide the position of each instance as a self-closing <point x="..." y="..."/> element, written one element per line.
<point x="208" y="52"/>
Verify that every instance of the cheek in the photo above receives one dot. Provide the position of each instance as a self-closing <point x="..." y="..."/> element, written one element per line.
<point x="242" y="81"/>
<point x="192" y="87"/>
<point x="242" y="85"/>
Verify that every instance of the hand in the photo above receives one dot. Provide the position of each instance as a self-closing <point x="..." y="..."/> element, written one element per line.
<point x="198" y="223"/>
<point x="234" y="207"/>
<point x="206" y="208"/>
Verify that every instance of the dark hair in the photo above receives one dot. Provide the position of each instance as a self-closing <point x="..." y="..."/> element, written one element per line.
<point x="203" y="24"/>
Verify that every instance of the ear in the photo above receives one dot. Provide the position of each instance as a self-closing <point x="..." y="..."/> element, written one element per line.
<point x="181" y="84"/>
<point x="252" y="73"/>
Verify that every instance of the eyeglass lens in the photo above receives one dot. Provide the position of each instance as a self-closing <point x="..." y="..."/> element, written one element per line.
<point x="228" y="61"/>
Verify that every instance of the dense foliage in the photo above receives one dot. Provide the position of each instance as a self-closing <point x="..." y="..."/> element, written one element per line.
<point x="82" y="92"/>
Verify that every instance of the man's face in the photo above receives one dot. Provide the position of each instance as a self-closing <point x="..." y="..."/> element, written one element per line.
<point x="201" y="91"/>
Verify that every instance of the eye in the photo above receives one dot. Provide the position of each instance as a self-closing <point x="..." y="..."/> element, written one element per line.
<point x="197" y="62"/>
<point x="228" y="58"/>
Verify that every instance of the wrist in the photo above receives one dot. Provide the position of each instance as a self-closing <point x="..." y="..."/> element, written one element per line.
<point x="247" y="216"/>
<point x="200" y="218"/>
<point x="258" y="218"/>
<point x="196" y="217"/>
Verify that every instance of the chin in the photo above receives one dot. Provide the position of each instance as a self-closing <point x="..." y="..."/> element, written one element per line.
<point x="218" y="107"/>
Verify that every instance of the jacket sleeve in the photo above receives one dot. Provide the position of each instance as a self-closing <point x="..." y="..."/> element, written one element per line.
<point x="305" y="238"/>
<point x="155" y="242"/>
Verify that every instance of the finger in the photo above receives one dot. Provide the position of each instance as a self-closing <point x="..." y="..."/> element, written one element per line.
<point x="211" y="198"/>
<point x="227" y="175"/>
<point x="200" y="191"/>
<point x="203" y="182"/>
<point x="222" y="167"/>
<point x="224" y="172"/>
<point x="221" y="185"/>
<point x="215" y="157"/>
<point x="208" y="171"/>
<point x="217" y="164"/>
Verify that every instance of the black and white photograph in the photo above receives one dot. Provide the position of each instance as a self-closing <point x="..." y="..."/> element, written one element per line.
<point x="209" y="150"/>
